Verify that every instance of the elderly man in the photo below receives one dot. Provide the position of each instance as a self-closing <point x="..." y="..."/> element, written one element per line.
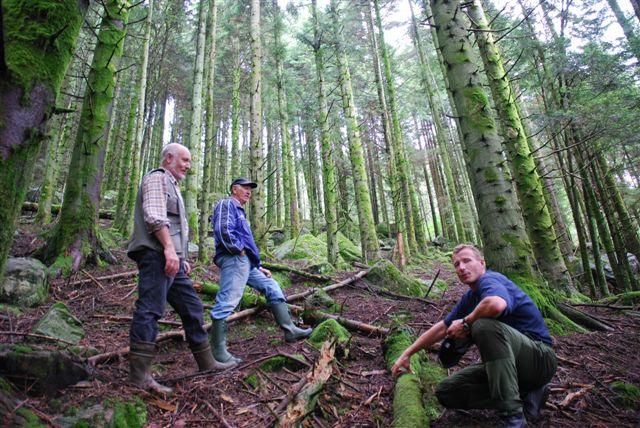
<point x="510" y="333"/>
<point x="159" y="247"/>
<point x="238" y="258"/>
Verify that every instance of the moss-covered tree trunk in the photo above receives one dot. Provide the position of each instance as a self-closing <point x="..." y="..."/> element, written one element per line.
<point x="328" y="168"/>
<point x="204" y="197"/>
<point x="257" y="163"/>
<point x="414" y="221"/>
<point x="235" y="109"/>
<point x="195" y="132"/>
<point x="38" y="41"/>
<point x="391" y="164"/>
<point x="436" y="113"/>
<point x="291" y="213"/>
<point x="627" y="28"/>
<point x="526" y="179"/>
<point x="506" y="244"/>
<point x="368" y="237"/>
<point x="76" y="235"/>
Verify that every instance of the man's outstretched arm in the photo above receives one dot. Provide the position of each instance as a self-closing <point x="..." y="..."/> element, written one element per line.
<point x="435" y="334"/>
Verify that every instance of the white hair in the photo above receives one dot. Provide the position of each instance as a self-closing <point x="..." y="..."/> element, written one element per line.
<point x="172" y="149"/>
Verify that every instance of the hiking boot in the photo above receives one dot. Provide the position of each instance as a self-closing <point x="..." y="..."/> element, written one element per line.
<point x="140" y="358"/>
<point x="513" y="421"/>
<point x="283" y="318"/>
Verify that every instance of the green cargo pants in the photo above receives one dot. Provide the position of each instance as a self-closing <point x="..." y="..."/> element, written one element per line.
<point x="511" y="363"/>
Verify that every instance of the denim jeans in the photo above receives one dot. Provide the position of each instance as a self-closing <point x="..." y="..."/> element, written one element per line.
<point x="235" y="273"/>
<point x="155" y="288"/>
<point x="512" y="364"/>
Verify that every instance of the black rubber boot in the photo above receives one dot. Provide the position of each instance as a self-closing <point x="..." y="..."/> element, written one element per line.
<point x="283" y="318"/>
<point x="513" y="421"/>
<point x="204" y="358"/>
<point x="140" y="358"/>
<point x="218" y="340"/>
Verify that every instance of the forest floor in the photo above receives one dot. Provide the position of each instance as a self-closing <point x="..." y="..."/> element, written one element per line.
<point x="360" y="393"/>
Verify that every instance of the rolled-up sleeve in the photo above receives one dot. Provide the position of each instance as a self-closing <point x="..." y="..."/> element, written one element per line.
<point x="154" y="202"/>
<point x="225" y="227"/>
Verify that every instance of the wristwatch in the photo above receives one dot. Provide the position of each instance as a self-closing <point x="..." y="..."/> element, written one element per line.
<point x="465" y="324"/>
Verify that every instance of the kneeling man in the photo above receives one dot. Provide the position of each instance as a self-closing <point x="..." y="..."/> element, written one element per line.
<point x="514" y="343"/>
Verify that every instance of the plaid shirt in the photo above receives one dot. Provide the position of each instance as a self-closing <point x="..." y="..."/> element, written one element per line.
<point x="154" y="200"/>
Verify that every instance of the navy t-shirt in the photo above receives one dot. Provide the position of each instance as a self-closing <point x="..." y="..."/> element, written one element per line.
<point x="521" y="313"/>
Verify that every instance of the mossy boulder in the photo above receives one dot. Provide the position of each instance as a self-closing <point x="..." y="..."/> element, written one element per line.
<point x="12" y="411"/>
<point x="59" y="323"/>
<point x="348" y="250"/>
<point x="386" y="275"/>
<point x="322" y="301"/>
<point x="111" y="413"/>
<point x="25" y="283"/>
<point x="331" y="330"/>
<point x="308" y="248"/>
<point x="40" y="371"/>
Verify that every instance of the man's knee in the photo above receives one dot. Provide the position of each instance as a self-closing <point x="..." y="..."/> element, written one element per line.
<point x="446" y="395"/>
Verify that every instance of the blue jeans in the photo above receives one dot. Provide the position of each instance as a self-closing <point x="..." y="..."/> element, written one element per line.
<point x="154" y="290"/>
<point x="235" y="273"/>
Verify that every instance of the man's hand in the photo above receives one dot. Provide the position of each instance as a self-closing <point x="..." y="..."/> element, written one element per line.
<point x="172" y="262"/>
<point x="402" y="365"/>
<point x="265" y="271"/>
<point x="457" y="330"/>
<point x="187" y="268"/>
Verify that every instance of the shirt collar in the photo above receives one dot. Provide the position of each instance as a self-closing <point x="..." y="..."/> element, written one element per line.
<point x="171" y="176"/>
<point x="236" y="202"/>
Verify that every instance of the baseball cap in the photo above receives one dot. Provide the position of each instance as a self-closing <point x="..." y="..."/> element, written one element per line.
<point x="241" y="181"/>
<point x="452" y="350"/>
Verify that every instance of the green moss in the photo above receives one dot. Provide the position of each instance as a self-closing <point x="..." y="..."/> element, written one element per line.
<point x="61" y="266"/>
<point x="5" y="386"/>
<point x="21" y="349"/>
<point x="395" y="344"/>
<point x="628" y="395"/>
<point x="477" y="106"/>
<point x="11" y="310"/>
<point x="500" y="201"/>
<point x="328" y="330"/>
<point x="407" y="403"/>
<point x="131" y="414"/>
<point x="252" y="380"/>
<point x="386" y="275"/>
<point x="279" y="362"/>
<point x="491" y="175"/>
<point x="32" y="420"/>
<point x="282" y="278"/>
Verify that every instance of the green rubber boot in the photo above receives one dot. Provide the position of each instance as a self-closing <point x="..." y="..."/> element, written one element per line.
<point x="204" y="358"/>
<point x="282" y="315"/>
<point x="218" y="340"/>
<point x="140" y="358"/>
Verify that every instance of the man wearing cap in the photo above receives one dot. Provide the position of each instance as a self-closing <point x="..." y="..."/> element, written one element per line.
<point x="238" y="258"/>
<point x="510" y="333"/>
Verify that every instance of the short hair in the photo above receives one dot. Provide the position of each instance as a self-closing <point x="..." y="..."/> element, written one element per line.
<point x="475" y="250"/>
<point x="172" y="149"/>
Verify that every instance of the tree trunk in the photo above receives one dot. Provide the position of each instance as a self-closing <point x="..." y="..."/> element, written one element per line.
<point x="527" y="181"/>
<point x="627" y="28"/>
<point x="204" y="198"/>
<point x="506" y="244"/>
<point x="328" y="167"/>
<point x="76" y="236"/>
<point x="368" y="237"/>
<point x="38" y="42"/>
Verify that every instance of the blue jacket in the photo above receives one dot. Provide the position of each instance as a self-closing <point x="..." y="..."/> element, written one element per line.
<point x="232" y="232"/>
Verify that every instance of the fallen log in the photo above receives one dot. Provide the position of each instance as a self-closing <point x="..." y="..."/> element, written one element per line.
<point x="349" y="324"/>
<point x="286" y="268"/>
<point x="302" y="295"/>
<point x="105" y="278"/>
<point x="584" y="319"/>
<point x="305" y="398"/>
<point x="574" y="395"/>
<point x="55" y="209"/>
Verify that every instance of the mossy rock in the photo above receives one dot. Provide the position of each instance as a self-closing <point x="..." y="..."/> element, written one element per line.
<point x="279" y="362"/>
<point x="41" y="372"/>
<point x="59" y="323"/>
<point x="310" y="249"/>
<point x="329" y="330"/>
<point x="627" y="395"/>
<point x="112" y="413"/>
<point x="322" y="301"/>
<point x="348" y="250"/>
<point x="386" y="275"/>
<point x="25" y="282"/>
